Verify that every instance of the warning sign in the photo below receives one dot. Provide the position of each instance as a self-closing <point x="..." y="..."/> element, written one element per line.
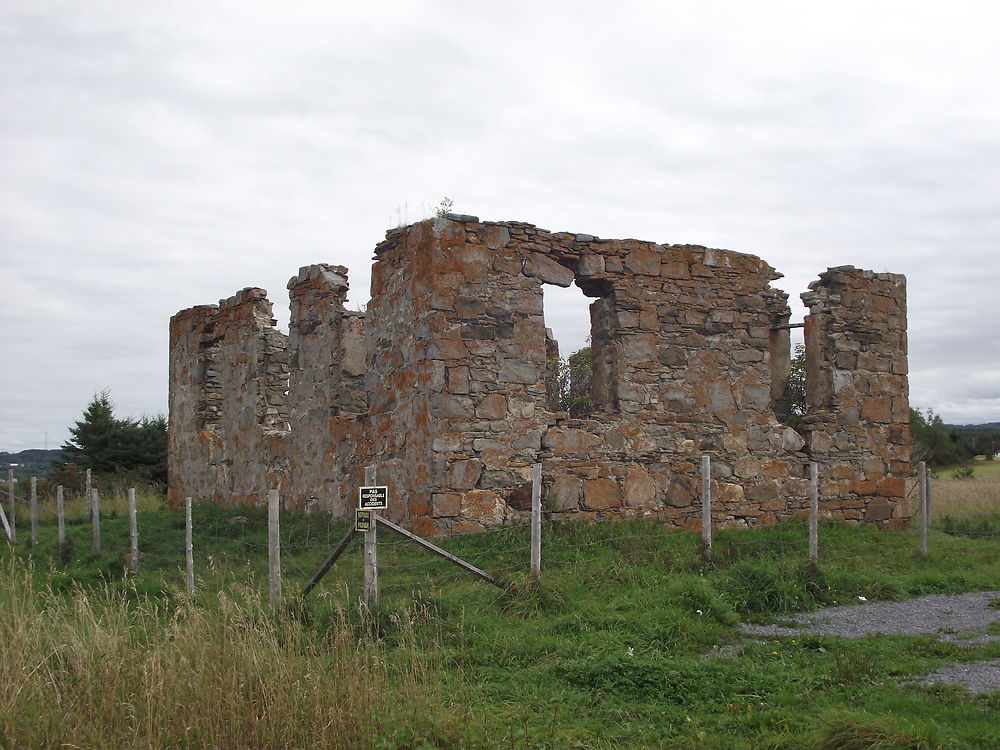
<point x="373" y="498"/>
<point x="362" y="520"/>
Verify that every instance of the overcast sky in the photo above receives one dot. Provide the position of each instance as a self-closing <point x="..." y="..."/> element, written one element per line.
<point x="160" y="155"/>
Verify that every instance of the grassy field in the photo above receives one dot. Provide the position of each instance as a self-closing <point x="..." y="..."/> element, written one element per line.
<point x="627" y="640"/>
<point x="978" y="495"/>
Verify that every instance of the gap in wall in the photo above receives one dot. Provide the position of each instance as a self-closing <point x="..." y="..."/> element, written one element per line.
<point x="567" y="315"/>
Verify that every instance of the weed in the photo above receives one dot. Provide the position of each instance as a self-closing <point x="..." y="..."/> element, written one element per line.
<point x="65" y="552"/>
<point x="444" y="207"/>
<point x="699" y="596"/>
<point x="757" y="588"/>
<point x="524" y="595"/>
<point x="845" y="731"/>
<point x="970" y="526"/>
<point x="629" y="674"/>
<point x="855" y="667"/>
<point x="964" y="472"/>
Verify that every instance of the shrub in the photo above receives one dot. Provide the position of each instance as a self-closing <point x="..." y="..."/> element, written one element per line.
<point x="964" y="472"/>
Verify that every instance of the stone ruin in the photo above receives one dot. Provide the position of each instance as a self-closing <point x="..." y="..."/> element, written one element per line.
<point x="441" y="384"/>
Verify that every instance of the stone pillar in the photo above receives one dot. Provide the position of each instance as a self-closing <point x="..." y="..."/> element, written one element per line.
<point x="229" y="375"/>
<point x="857" y="393"/>
<point x="326" y="394"/>
<point x="457" y="378"/>
<point x="194" y="404"/>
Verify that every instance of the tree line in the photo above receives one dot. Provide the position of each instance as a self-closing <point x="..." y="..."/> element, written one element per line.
<point x="939" y="444"/>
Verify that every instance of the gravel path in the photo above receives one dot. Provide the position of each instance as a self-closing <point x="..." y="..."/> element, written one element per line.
<point x="976" y="677"/>
<point x="960" y="618"/>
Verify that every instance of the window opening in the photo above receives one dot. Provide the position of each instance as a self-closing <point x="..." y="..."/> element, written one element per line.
<point x="569" y="359"/>
<point x="788" y="373"/>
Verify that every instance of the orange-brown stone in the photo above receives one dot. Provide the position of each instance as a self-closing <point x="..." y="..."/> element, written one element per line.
<point x="601" y="494"/>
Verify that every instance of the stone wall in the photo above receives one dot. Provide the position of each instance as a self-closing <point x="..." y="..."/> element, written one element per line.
<point x="228" y="414"/>
<point x="858" y="424"/>
<point x="442" y="385"/>
<point x="326" y="393"/>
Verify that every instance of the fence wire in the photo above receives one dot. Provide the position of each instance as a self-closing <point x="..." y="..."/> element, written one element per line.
<point x="232" y="543"/>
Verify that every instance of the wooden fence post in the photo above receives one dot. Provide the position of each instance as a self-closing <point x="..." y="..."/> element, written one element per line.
<point x="536" y="520"/>
<point x="813" y="512"/>
<point x="922" y="472"/>
<point x="12" y="535"/>
<point x="61" y="515"/>
<point x="706" y="508"/>
<point x="8" y="529"/>
<point x="34" y="511"/>
<point x="273" y="549"/>
<point x="371" y="551"/>
<point x="188" y="547"/>
<point x="133" y="529"/>
<point x="87" y="497"/>
<point x="95" y="519"/>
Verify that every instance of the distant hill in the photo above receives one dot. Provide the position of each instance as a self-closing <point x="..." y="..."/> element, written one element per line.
<point x="984" y="438"/>
<point x="33" y="462"/>
<point x="988" y="427"/>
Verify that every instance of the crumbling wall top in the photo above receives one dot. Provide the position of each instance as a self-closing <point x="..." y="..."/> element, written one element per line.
<point x="569" y="248"/>
<point x="444" y="382"/>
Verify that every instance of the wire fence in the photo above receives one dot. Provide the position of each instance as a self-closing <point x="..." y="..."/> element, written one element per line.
<point x="232" y="543"/>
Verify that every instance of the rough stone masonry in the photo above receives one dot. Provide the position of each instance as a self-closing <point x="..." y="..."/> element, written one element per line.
<point x="441" y="385"/>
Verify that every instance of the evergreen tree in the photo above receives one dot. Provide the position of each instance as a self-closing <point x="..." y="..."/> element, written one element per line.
<point x="96" y="439"/>
<point x="146" y="446"/>
<point x="108" y="445"/>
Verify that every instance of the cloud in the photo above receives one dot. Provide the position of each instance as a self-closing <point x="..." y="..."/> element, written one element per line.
<point x="158" y="157"/>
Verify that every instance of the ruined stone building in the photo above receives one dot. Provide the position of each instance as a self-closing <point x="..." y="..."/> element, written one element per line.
<point x="441" y="384"/>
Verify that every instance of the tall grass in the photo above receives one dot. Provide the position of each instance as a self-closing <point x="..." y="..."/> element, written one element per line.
<point x="105" y="669"/>
<point x="113" y="503"/>
<point x="966" y="498"/>
<point x="627" y="640"/>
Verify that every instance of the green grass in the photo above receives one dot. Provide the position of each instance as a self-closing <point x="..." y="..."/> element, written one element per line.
<point x="986" y="469"/>
<point x="968" y="506"/>
<point x="981" y="468"/>
<point x="627" y="640"/>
